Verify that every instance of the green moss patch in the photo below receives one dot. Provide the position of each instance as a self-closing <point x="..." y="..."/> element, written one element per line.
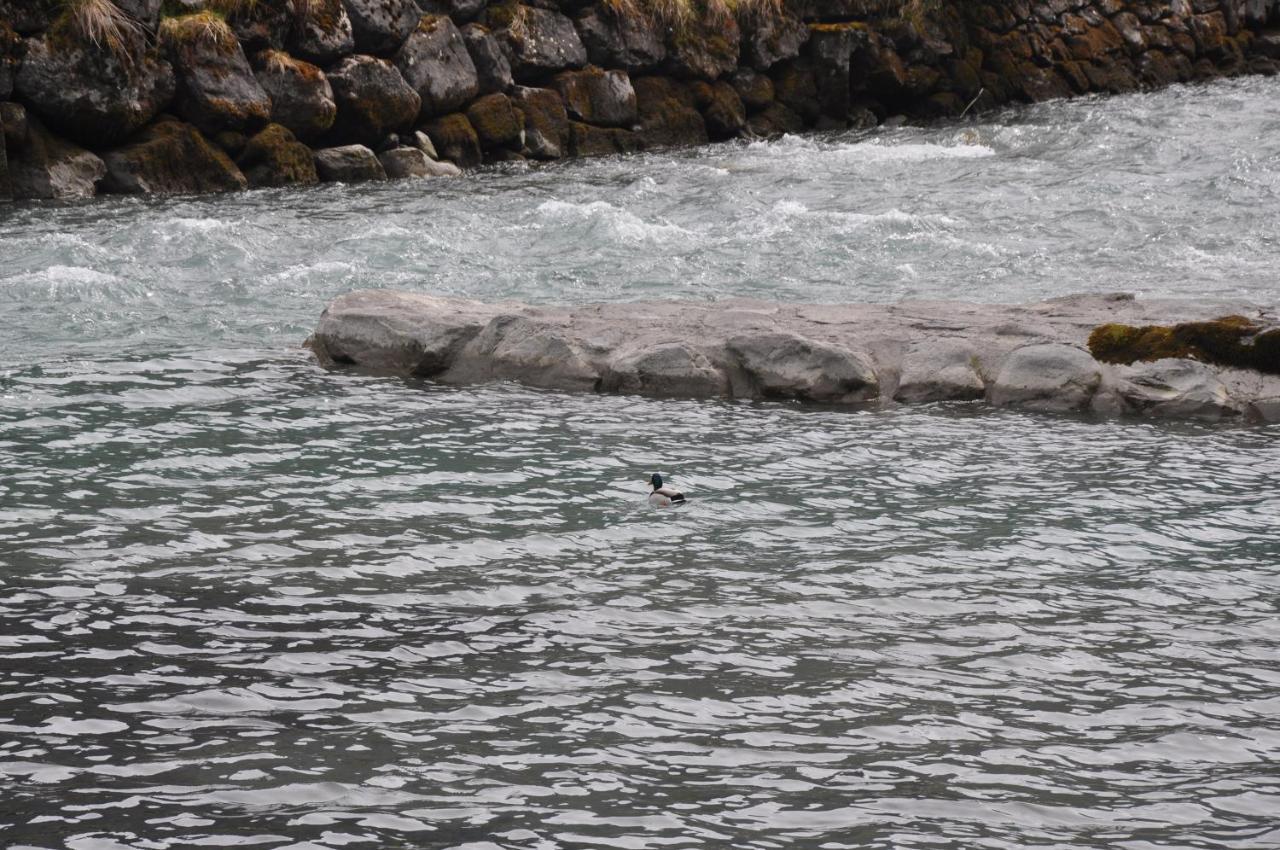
<point x="1227" y="341"/>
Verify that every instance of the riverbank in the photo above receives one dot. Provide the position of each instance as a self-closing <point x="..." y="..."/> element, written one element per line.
<point x="140" y="97"/>
<point x="1047" y="356"/>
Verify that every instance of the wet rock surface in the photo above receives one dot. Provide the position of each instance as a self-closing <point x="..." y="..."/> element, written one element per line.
<point x="1031" y="356"/>
<point x="171" y="158"/>
<point x="46" y="167"/>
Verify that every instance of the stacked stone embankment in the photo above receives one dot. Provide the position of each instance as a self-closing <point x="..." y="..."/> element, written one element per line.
<point x="1035" y="356"/>
<point x="176" y="96"/>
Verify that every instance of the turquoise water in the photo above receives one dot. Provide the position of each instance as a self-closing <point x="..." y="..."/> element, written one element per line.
<point x="247" y="602"/>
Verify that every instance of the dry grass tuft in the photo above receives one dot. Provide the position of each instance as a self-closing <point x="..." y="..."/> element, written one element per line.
<point x="681" y="14"/>
<point x="197" y="28"/>
<point x="102" y="24"/>
<point x="277" y="61"/>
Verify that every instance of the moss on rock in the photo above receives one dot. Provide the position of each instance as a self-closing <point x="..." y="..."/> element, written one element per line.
<point x="1227" y="341"/>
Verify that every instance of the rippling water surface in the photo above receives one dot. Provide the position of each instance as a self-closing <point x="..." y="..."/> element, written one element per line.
<point x="244" y="602"/>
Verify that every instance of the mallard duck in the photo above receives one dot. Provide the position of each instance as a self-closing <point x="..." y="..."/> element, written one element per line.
<point x="664" y="497"/>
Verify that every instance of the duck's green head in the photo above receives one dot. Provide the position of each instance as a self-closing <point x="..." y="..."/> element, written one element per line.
<point x="656" y="481"/>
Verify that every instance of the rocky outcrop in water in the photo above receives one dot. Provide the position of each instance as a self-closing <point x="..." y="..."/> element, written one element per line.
<point x="1032" y="356"/>
<point x="502" y="80"/>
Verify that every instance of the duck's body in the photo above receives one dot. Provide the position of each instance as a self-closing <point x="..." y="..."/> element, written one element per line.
<point x="662" y="496"/>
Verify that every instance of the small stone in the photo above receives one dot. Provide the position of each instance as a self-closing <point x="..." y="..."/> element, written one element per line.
<point x="633" y="42"/>
<point x="348" y="164"/>
<point x="423" y="143"/>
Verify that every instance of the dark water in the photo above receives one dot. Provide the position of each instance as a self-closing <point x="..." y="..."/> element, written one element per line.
<point x="247" y="603"/>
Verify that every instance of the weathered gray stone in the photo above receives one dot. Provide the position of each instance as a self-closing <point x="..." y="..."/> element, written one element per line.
<point x="301" y="97"/>
<point x="603" y="98"/>
<point x="381" y="26"/>
<point x="49" y="168"/>
<point x="96" y="97"/>
<point x="412" y="162"/>
<point x="834" y="354"/>
<point x="423" y="142"/>
<point x="542" y="42"/>
<point x="546" y="123"/>
<point x="773" y="38"/>
<point x="706" y="50"/>
<point x="633" y="42"/>
<point x="493" y="69"/>
<point x="1178" y="389"/>
<point x="434" y="60"/>
<point x="373" y="100"/>
<point x="939" y="370"/>
<point x="170" y="158"/>
<point x="348" y="164"/>
<point x="1051" y="377"/>
<point x="217" y="89"/>
<point x="324" y="35"/>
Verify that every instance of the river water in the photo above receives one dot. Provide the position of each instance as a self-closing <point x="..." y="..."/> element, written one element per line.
<point x="244" y="602"/>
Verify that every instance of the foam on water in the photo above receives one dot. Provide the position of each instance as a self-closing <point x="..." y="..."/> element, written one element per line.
<point x="247" y="602"/>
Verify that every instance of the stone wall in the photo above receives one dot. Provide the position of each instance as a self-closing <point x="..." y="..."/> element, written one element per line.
<point x="175" y="96"/>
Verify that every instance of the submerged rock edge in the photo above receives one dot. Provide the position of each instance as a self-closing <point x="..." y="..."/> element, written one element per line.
<point x="1028" y="356"/>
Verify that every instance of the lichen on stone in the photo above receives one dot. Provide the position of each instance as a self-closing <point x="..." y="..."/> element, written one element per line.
<point x="1227" y="341"/>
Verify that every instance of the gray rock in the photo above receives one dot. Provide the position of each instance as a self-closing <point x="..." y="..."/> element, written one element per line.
<point x="301" y="97"/>
<point x="1048" y="377"/>
<point x="603" y="98"/>
<point x="435" y="62"/>
<point x="381" y="26"/>
<point x="705" y="50"/>
<point x="460" y="11"/>
<point x="348" y="164"/>
<point x="325" y="35"/>
<point x="633" y="42"/>
<point x="170" y="158"/>
<point x="1177" y="389"/>
<point x="412" y="162"/>
<point x="423" y="143"/>
<point x="546" y="124"/>
<point x="217" y="88"/>
<point x="493" y="69"/>
<point x="543" y="42"/>
<point x="939" y="370"/>
<point x="771" y="39"/>
<point x="28" y="17"/>
<point x="832" y="354"/>
<point x="671" y="369"/>
<point x="13" y="116"/>
<point x="49" y="168"/>
<point x="373" y="100"/>
<point x="792" y="367"/>
<point x="96" y="97"/>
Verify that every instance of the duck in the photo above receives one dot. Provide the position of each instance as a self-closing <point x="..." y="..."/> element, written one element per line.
<point x="663" y="497"/>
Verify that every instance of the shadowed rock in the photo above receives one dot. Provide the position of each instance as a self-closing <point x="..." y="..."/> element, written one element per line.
<point x="324" y="35"/>
<point x="170" y="158"/>
<point x="633" y="42"/>
<point x="46" y="167"/>
<point x="1025" y="356"/>
<point x="275" y="157"/>
<point x="381" y="26"/>
<point x="455" y="139"/>
<point x="546" y="123"/>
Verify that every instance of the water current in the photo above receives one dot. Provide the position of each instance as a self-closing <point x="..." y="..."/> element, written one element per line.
<point x="245" y="602"/>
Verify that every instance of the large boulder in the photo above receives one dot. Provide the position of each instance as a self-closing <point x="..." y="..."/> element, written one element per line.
<point x="381" y="26"/>
<point x="754" y="89"/>
<point x="773" y="38"/>
<point x="1047" y="377"/>
<point x="493" y="69"/>
<point x="461" y="11"/>
<point x="49" y="168"/>
<point x="217" y="88"/>
<point x="546" y="124"/>
<point x="323" y="35"/>
<point x="722" y="109"/>
<point x="780" y="365"/>
<point x="348" y="164"/>
<point x="434" y="60"/>
<point x="373" y="100"/>
<point x="669" y="369"/>
<point x="274" y="157"/>
<point x="170" y="158"/>
<point x="455" y="139"/>
<point x="1175" y="388"/>
<point x="604" y="98"/>
<point x="667" y="114"/>
<point x="590" y="140"/>
<point x="939" y="369"/>
<point x="541" y="42"/>
<point x="301" y="97"/>
<point x="497" y="123"/>
<point x="96" y="96"/>
<point x="703" y="49"/>
<point x="633" y="42"/>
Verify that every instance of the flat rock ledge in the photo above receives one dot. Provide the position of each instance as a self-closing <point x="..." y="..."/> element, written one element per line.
<point x="1028" y="356"/>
